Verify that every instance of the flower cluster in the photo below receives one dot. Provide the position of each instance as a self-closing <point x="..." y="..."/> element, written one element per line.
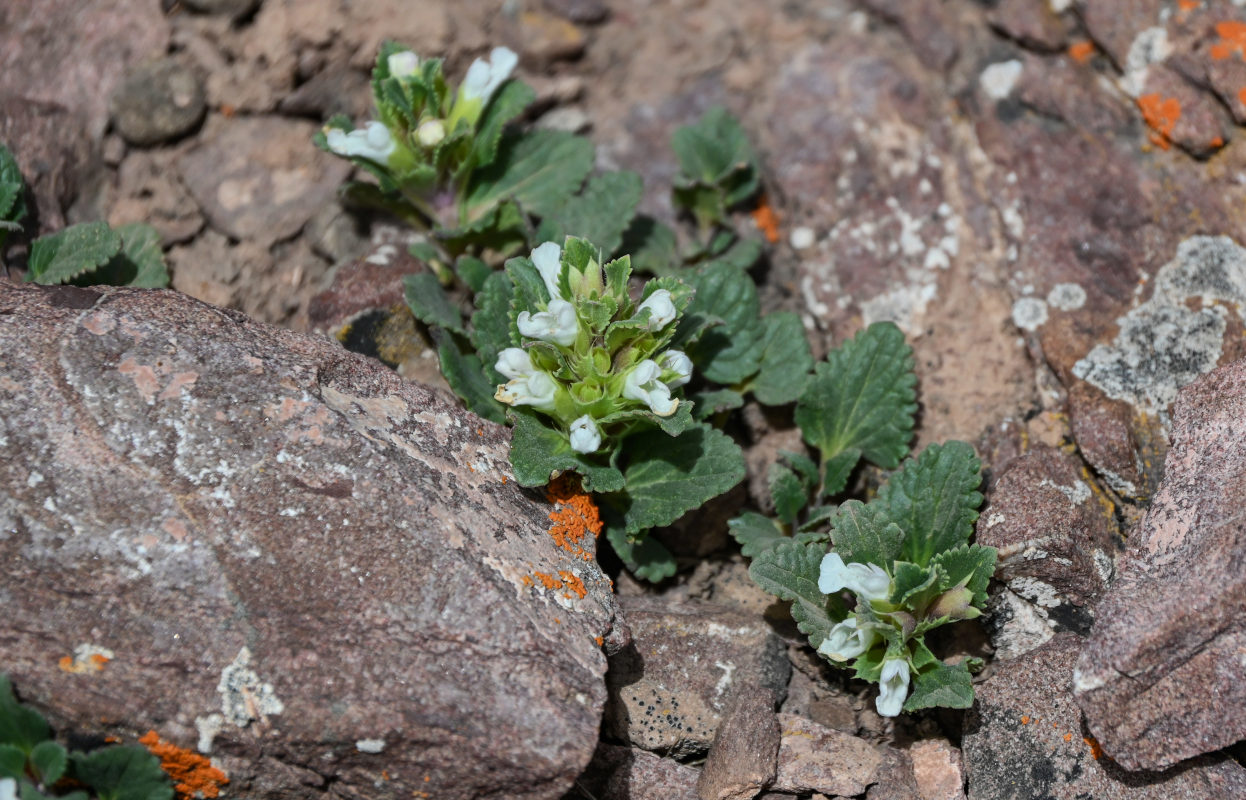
<point x="588" y="357"/>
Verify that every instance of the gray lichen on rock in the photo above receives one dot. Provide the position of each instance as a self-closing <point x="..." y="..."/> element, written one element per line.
<point x="1164" y="345"/>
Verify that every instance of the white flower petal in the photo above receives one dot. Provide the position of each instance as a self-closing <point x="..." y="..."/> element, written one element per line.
<point x="867" y="581"/>
<point x="642" y="384"/>
<point x="558" y="324"/>
<point x="403" y="65"/>
<point x="8" y="789"/>
<point x="514" y="362"/>
<point x="373" y="141"/>
<point x="548" y="261"/>
<point x="536" y="390"/>
<point x="485" y="76"/>
<point x="661" y="309"/>
<point x="848" y="639"/>
<point x="431" y="132"/>
<point x="893" y="687"/>
<point x="678" y="362"/>
<point x="585" y="436"/>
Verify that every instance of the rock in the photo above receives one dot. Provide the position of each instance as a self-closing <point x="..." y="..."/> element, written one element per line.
<point x="814" y="758"/>
<point x="316" y="569"/>
<point x="581" y="12"/>
<point x="210" y="268"/>
<point x="813" y="699"/>
<point x="228" y="8"/>
<point x="937" y="770"/>
<point x="1016" y="626"/>
<point x="1116" y="25"/>
<point x="158" y="102"/>
<point x="895" y="778"/>
<point x="623" y="773"/>
<point x="337" y="234"/>
<point x="1161" y="677"/>
<point x="261" y="179"/>
<point x="669" y="689"/>
<point x="1127" y="452"/>
<point x="53" y="152"/>
<point x="1024" y="739"/>
<point x="1032" y="23"/>
<point x="1180" y="113"/>
<point x="741" y="761"/>
<point x="148" y="191"/>
<point x="336" y="90"/>
<point x="1054" y="534"/>
<point x="542" y="38"/>
<point x="75" y="54"/>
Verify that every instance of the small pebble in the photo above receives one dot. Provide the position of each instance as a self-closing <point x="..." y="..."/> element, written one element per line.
<point x="158" y="102"/>
<point x="802" y="238"/>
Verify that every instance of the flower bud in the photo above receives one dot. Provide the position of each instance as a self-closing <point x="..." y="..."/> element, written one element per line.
<point x="955" y="603"/>
<point x="585" y="436"/>
<point x="431" y="132"/>
<point x="676" y="361"/>
<point x="514" y="362"/>
<point x="893" y="687"/>
<point x="373" y="142"/>
<point x="403" y="65"/>
<point x="661" y="309"/>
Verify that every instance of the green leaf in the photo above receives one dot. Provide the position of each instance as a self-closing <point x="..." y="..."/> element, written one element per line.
<point x="785" y="360"/>
<point x="507" y="103"/>
<point x="69" y="253"/>
<point x="789" y="571"/>
<point x="12" y="761"/>
<point x="430" y="304"/>
<point x="667" y="477"/>
<point x="491" y="327"/>
<point x="756" y="533"/>
<point x="915" y="586"/>
<point x="465" y="374"/>
<point x="141" y="260"/>
<point x="600" y="213"/>
<point x="538" y="170"/>
<point x="472" y="271"/>
<point x="862" y="534"/>
<point x="948" y="686"/>
<point x="837" y="469"/>
<point x="803" y="465"/>
<point x="674" y="424"/>
<point x="715" y="151"/>
<point x="653" y="247"/>
<point x="19" y="726"/>
<point x="538" y="451"/>
<point x="707" y="404"/>
<point x="644" y="557"/>
<point x="818" y="519"/>
<point x="743" y="253"/>
<point x="49" y="760"/>
<point x="934" y="499"/>
<point x="730" y="352"/>
<point x="123" y="773"/>
<point x="971" y="565"/>
<point x="787" y="491"/>
<point x="862" y="398"/>
<point x="12" y="188"/>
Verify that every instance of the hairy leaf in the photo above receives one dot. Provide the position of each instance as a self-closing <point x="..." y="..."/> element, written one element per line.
<point x="142" y="258"/>
<point x="934" y="499"/>
<point x="653" y="247"/>
<point x="538" y="451"/>
<point x="863" y="534"/>
<point x="473" y="272"/>
<point x="429" y="303"/>
<point x="49" y="760"/>
<point x="862" y="398"/>
<point x="715" y="151"/>
<point x="785" y="360"/>
<point x="942" y="685"/>
<point x="970" y="564"/>
<point x="732" y="351"/>
<point x="123" y="773"/>
<point x="787" y="491"/>
<point x="710" y="403"/>
<point x="69" y="253"/>
<point x="915" y="586"/>
<point x="12" y="761"/>
<point x="491" y="327"/>
<point x="790" y="570"/>
<point x="644" y="556"/>
<point x="464" y="372"/>
<point x="20" y="726"/>
<point x="12" y="204"/>
<point x="538" y="170"/>
<point x="601" y="213"/>
<point x="507" y="102"/>
<point x="756" y="533"/>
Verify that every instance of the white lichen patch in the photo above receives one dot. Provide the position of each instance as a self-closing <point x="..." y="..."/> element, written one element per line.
<point x="244" y="697"/>
<point x="1149" y="47"/>
<point x="372" y="746"/>
<point x="1077" y="494"/>
<point x="1163" y="344"/>
<point x="383" y="255"/>
<point x="998" y="80"/>
<point x="87" y="658"/>
<point x="1024" y="626"/>
<point x="1029" y="313"/>
<point x="1038" y="592"/>
<point x="1066" y="297"/>
<point x="208" y="726"/>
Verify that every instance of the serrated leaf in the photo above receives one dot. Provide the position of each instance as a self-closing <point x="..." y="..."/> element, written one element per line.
<point x="538" y="451"/>
<point x="491" y="327"/>
<point x="69" y="253"/>
<point x="863" y="535"/>
<point x="12" y="761"/>
<point x="653" y="247"/>
<point x="785" y="360"/>
<point x="862" y="398"/>
<point x="789" y="571"/>
<point x="464" y="372"/>
<point x="730" y="352"/>
<point x="667" y="477"/>
<point x="123" y="773"/>
<point x="644" y="557"/>
<point x="914" y="586"/>
<point x="473" y="272"/>
<point x="946" y="686"/>
<point x="787" y="492"/>
<point x="869" y="665"/>
<point x="673" y="424"/>
<point x="756" y="533"/>
<point x="20" y="726"/>
<point x="707" y="404"/>
<point x="601" y="213"/>
<point x="818" y="519"/>
<point x="714" y="151"/>
<point x="538" y="170"/>
<point x="934" y="499"/>
<point x="141" y="260"/>
<point x="430" y="304"/>
<point x="971" y="565"/>
<point x="49" y="760"/>
<point x="507" y="103"/>
<point x="803" y="465"/>
<point x="12" y="188"/>
<point x="837" y="469"/>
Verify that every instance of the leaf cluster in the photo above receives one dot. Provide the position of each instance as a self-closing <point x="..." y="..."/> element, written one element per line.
<point x="43" y="769"/>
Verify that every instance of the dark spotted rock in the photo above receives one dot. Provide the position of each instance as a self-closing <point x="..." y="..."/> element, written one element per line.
<point x="159" y="101"/>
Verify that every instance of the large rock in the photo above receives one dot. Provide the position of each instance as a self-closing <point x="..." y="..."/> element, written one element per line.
<point x="320" y="573"/>
<point x="1162" y="676"/>
<point x="53" y="153"/>
<point x="1024" y="739"/>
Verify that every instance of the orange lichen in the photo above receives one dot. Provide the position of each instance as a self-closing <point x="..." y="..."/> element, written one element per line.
<point x="193" y="775"/>
<point x="549" y="581"/>
<point x="1188" y="5"/>
<point x="576" y="515"/>
<point x="1081" y="50"/>
<point x="1232" y="40"/>
<point x="573" y="583"/>
<point x="766" y="219"/>
<point x="1068" y="737"/>
<point x="599" y="640"/>
<point x="1161" y="113"/>
<point x="1095" y="749"/>
<point x="77" y="665"/>
<point x="1025" y="720"/>
<point x="1216" y="141"/>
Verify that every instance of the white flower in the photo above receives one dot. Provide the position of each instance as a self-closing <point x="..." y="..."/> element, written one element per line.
<point x="485" y="76"/>
<point x="893" y="687"/>
<point x="536" y="390"/>
<point x="585" y="435"/>
<point x="373" y="141"/>
<point x="848" y="639"/>
<point x="661" y="309"/>
<point x="678" y="362"/>
<point x="558" y="324"/>
<point x="514" y="362"/>
<point x="867" y="581"/>
<point x="548" y="261"/>
<point x="642" y="384"/>
<point x="403" y="65"/>
<point x="431" y="132"/>
<point x="8" y="789"/>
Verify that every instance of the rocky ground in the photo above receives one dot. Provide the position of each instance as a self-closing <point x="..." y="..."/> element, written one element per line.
<point x="293" y="556"/>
